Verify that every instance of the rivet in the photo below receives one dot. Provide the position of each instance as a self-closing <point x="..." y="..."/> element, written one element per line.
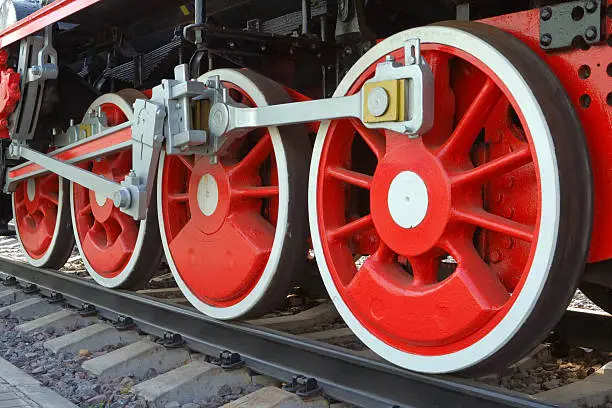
<point x="499" y="197"/>
<point x="508" y="182"/>
<point x="545" y="13"/>
<point x="546" y="40"/>
<point x="591" y="33"/>
<point x="495" y="257"/>
<point x="508" y="243"/>
<point x="509" y="213"/>
<point x="591" y="6"/>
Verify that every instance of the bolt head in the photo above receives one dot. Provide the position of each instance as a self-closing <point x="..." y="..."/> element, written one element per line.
<point x="378" y="101"/>
<point x="546" y="40"/>
<point x="121" y="199"/>
<point x="545" y="13"/>
<point x="591" y="6"/>
<point x="591" y="33"/>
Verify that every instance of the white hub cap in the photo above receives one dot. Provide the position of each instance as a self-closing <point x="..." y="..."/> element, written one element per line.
<point x="208" y="195"/>
<point x="408" y="199"/>
<point x="31" y="189"/>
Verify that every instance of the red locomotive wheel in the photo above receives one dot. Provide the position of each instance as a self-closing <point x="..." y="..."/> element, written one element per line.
<point x="42" y="221"/>
<point x="118" y="251"/>
<point x="474" y="235"/>
<point x="225" y="224"/>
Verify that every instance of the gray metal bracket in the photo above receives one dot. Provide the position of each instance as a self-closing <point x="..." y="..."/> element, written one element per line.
<point x="561" y="25"/>
<point x="147" y="141"/>
<point x="176" y="95"/>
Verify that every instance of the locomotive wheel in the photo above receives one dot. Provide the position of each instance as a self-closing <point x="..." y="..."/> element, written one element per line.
<point x="235" y="232"/>
<point x="475" y="234"/>
<point x="42" y="221"/>
<point x="118" y="251"/>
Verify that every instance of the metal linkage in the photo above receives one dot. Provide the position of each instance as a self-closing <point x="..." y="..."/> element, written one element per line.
<point x="399" y="98"/>
<point x="120" y="196"/>
<point x="196" y="118"/>
<point x="339" y="373"/>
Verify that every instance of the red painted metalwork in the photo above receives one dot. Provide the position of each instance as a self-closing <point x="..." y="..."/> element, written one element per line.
<point x="42" y="18"/>
<point x="587" y="78"/>
<point x="36" y="218"/>
<point x="107" y="235"/>
<point x="9" y="93"/>
<point x="239" y="231"/>
<point x="432" y="306"/>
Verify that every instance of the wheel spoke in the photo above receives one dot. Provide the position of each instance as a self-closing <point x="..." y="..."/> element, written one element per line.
<point x="91" y="242"/>
<point x="256" y="156"/>
<point x="19" y="204"/>
<point x="178" y="197"/>
<point x="85" y="210"/>
<point x="481" y="281"/>
<point x="425" y="268"/>
<point x="187" y="161"/>
<point x="383" y="261"/>
<point x="494" y="168"/>
<point x="374" y="139"/>
<point x="492" y="222"/>
<point x="351" y="177"/>
<point x="255" y="192"/>
<point x="47" y="224"/>
<point x="472" y="122"/>
<point x="121" y="163"/>
<point x="352" y="228"/>
<point x="126" y="222"/>
<point x="51" y="197"/>
<point x="50" y="180"/>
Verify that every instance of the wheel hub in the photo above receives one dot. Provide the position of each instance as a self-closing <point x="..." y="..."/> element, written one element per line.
<point x="101" y="208"/>
<point x="208" y="194"/>
<point x="410" y="198"/>
<point x="31" y="189"/>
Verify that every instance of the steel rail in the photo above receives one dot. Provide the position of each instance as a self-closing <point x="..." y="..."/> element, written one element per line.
<point x="341" y="374"/>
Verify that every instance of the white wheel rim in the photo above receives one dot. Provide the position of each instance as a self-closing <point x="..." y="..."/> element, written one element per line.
<point x="257" y="293"/>
<point x="550" y="204"/>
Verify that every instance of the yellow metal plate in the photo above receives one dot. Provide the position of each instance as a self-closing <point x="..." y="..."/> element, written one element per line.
<point x="396" y="112"/>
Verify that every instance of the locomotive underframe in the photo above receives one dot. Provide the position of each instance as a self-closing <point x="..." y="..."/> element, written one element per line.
<point x="195" y="114"/>
<point x="566" y="63"/>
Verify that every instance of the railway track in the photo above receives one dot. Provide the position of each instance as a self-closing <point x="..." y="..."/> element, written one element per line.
<point x="345" y="375"/>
